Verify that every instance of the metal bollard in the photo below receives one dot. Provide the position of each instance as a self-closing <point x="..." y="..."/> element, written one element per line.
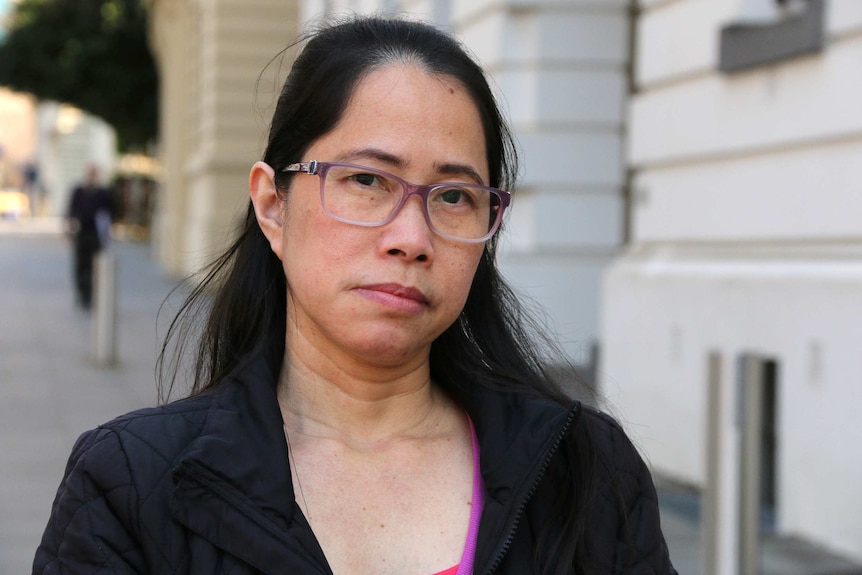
<point x="752" y="396"/>
<point x="105" y="310"/>
<point x="712" y="520"/>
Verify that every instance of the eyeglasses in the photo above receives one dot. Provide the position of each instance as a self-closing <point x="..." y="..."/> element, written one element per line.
<point x="368" y="197"/>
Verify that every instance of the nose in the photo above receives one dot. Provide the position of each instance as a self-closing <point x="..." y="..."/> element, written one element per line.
<point x="408" y="235"/>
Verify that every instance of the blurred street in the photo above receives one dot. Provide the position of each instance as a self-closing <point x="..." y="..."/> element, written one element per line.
<point x="51" y="388"/>
<point x="52" y="391"/>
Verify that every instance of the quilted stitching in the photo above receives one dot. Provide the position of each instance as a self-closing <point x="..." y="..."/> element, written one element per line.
<point x="98" y="484"/>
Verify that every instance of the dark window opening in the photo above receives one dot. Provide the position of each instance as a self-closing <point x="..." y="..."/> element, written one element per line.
<point x="769" y="449"/>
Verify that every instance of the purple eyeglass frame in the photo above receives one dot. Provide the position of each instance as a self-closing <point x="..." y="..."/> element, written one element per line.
<point x="319" y="169"/>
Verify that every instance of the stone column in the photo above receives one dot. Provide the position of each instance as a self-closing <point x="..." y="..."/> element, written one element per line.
<point x="561" y="70"/>
<point x="218" y="93"/>
<point x="173" y="37"/>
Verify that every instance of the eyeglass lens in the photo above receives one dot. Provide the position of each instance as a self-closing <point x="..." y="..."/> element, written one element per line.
<point x="362" y="195"/>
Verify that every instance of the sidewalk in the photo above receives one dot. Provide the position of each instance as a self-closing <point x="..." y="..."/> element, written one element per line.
<point x="779" y="555"/>
<point x="51" y="389"/>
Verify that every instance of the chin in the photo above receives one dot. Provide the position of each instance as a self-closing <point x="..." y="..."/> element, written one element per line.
<point x="388" y="350"/>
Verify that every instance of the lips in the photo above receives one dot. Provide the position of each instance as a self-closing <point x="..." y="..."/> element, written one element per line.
<point x="401" y="291"/>
<point x="395" y="295"/>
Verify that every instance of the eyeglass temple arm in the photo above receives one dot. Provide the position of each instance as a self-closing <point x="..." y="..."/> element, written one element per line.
<point x="308" y="167"/>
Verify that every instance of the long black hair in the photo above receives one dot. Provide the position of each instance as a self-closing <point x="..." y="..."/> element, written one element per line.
<point x="493" y="343"/>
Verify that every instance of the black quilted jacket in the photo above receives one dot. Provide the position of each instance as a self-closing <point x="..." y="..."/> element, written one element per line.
<point x="203" y="486"/>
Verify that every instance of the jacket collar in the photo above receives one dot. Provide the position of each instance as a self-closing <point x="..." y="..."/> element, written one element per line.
<point x="518" y="435"/>
<point x="234" y="485"/>
<point x="243" y="439"/>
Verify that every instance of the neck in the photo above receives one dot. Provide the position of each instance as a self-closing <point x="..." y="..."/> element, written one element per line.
<point x="363" y="407"/>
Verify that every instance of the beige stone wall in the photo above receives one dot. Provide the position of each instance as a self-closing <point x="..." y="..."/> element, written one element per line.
<point x="172" y="30"/>
<point x="216" y="95"/>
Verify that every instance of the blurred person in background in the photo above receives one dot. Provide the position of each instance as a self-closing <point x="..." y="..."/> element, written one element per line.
<point x="88" y="223"/>
<point x="33" y="187"/>
<point x="368" y="396"/>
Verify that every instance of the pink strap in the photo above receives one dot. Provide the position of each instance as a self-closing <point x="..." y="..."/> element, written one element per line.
<point x="465" y="567"/>
<point x="469" y="555"/>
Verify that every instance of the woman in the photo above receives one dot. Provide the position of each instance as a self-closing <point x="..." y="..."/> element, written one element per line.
<point x="366" y="399"/>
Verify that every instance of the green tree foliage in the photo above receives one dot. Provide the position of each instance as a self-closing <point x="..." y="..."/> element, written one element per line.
<point x="92" y="54"/>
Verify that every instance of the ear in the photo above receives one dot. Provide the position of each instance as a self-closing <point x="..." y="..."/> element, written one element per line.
<point x="267" y="205"/>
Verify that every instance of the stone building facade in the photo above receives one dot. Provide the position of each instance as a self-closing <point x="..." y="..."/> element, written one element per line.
<point x="219" y="81"/>
<point x="745" y="136"/>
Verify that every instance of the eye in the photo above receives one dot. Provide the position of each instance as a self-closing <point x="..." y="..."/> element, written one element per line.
<point x="455" y="196"/>
<point x="365" y="179"/>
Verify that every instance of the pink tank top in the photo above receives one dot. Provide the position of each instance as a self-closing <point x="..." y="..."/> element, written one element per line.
<point x="465" y="567"/>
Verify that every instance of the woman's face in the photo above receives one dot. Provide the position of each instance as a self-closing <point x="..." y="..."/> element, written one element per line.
<point x="381" y="295"/>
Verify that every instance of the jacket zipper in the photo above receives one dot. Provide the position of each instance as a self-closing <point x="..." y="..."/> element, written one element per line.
<point x="519" y="513"/>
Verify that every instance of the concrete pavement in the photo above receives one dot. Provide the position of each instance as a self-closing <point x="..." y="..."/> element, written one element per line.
<point x="51" y="388"/>
<point x="52" y="391"/>
<point x="779" y="554"/>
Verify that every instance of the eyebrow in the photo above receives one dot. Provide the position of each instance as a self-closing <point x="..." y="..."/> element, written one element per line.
<point x="448" y="168"/>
